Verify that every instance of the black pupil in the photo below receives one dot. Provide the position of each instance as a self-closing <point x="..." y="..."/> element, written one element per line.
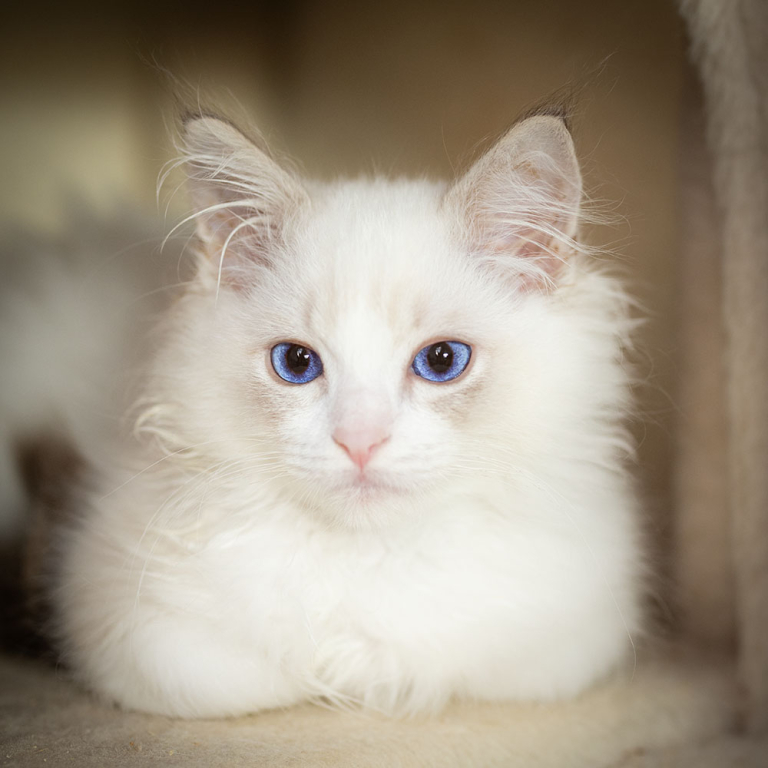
<point x="298" y="358"/>
<point x="440" y="357"/>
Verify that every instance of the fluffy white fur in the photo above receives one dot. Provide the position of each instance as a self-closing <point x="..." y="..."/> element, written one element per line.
<point x="233" y="558"/>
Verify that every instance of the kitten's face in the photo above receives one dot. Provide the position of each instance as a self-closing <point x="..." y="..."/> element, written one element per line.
<point x="367" y="288"/>
<point x="372" y="360"/>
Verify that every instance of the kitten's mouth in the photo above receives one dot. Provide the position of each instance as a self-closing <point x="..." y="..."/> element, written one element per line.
<point x="368" y="484"/>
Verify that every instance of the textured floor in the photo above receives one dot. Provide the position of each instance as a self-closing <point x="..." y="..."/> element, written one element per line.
<point x="667" y="714"/>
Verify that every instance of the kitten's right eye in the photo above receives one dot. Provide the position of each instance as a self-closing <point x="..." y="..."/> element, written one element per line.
<point x="441" y="362"/>
<point x="296" y="363"/>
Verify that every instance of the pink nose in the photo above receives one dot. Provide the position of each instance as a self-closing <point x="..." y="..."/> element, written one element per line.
<point x="360" y="443"/>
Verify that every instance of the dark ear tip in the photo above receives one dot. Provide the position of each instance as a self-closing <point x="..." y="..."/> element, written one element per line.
<point x="562" y="109"/>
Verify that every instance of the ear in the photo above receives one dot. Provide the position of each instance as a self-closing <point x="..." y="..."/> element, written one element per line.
<point x="242" y="198"/>
<point x="522" y="198"/>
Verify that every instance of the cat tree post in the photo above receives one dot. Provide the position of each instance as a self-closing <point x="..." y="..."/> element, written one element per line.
<point x="730" y="47"/>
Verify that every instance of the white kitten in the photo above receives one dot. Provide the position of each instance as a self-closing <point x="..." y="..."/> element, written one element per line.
<point x="382" y="454"/>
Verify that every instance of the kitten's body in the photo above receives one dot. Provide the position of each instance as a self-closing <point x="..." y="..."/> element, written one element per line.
<point x="239" y="560"/>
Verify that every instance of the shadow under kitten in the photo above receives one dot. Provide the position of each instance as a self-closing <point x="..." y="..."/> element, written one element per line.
<point x="50" y="468"/>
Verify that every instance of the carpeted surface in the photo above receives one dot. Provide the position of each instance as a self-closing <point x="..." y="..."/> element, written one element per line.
<point x="662" y="715"/>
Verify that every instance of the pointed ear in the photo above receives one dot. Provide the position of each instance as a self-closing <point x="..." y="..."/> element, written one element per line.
<point x="242" y="198"/>
<point x="522" y="198"/>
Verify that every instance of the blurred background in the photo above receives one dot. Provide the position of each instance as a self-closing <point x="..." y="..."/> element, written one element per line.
<point x="88" y="113"/>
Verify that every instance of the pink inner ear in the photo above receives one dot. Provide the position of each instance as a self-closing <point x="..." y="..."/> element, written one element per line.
<point x="245" y="232"/>
<point x="547" y="245"/>
<point x="238" y="240"/>
<point x="524" y="242"/>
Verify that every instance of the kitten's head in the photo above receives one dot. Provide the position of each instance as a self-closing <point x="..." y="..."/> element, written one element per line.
<point x="364" y="344"/>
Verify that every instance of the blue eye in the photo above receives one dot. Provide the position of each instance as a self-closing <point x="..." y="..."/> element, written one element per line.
<point x="442" y="361"/>
<point x="296" y="363"/>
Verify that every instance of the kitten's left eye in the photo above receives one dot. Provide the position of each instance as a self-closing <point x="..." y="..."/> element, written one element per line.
<point x="442" y="361"/>
<point x="296" y="363"/>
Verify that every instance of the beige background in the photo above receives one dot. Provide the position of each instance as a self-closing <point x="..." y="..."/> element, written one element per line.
<point x="86" y="112"/>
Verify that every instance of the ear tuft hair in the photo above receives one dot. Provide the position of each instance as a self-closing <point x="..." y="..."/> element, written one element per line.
<point x="242" y="197"/>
